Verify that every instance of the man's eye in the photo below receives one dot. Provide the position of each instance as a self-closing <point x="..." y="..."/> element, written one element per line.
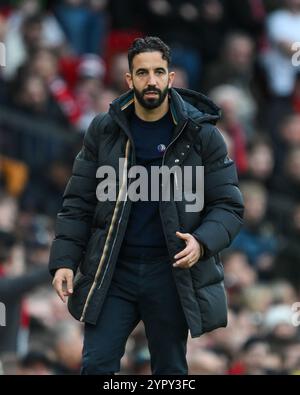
<point x="160" y="72"/>
<point x="141" y="73"/>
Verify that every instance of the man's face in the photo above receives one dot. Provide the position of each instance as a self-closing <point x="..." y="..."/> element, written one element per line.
<point x="150" y="79"/>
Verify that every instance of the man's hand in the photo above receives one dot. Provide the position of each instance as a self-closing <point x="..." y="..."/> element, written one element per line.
<point x="63" y="283"/>
<point x="192" y="252"/>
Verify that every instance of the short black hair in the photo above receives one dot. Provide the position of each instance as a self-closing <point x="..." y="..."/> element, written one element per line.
<point x="148" y="44"/>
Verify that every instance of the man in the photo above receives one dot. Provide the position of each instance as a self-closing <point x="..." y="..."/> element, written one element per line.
<point x="148" y="260"/>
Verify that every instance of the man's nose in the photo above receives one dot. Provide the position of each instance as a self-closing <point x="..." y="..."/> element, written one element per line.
<point x="152" y="79"/>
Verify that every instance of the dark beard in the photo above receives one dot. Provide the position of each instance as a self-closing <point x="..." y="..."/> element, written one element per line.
<point x="150" y="104"/>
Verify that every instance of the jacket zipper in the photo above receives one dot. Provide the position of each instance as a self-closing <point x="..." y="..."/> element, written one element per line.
<point x="115" y="239"/>
<point x="118" y="226"/>
<point x="99" y="265"/>
<point x="163" y="160"/>
<point x="173" y="141"/>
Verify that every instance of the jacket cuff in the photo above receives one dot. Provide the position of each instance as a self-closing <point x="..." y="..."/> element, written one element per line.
<point x="213" y="236"/>
<point x="64" y="254"/>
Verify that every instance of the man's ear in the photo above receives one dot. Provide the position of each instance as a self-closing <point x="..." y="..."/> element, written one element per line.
<point x="171" y="78"/>
<point x="129" y="80"/>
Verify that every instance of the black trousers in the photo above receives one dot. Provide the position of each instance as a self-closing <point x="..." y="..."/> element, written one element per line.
<point x="140" y="290"/>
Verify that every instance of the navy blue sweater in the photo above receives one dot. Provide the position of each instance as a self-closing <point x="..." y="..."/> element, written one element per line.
<point x="144" y="233"/>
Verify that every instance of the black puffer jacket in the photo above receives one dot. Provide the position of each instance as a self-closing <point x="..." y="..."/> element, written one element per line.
<point x="89" y="233"/>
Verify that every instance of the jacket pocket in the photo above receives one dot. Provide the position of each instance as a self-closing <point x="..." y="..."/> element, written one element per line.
<point x="206" y="272"/>
<point x="213" y="306"/>
<point x="93" y="253"/>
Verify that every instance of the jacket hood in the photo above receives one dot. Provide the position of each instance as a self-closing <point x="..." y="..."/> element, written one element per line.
<point x="196" y="105"/>
<point x="184" y="104"/>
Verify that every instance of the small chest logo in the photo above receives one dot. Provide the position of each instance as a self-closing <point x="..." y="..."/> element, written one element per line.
<point x="161" y="148"/>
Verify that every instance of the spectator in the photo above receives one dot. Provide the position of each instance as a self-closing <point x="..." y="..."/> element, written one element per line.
<point x="84" y="23"/>
<point x="257" y="238"/>
<point x="13" y="286"/>
<point x="283" y="29"/>
<point x="31" y="96"/>
<point x="236" y="69"/>
<point x="35" y="363"/>
<point x="44" y="63"/>
<point x="287" y="261"/>
<point x="260" y="162"/>
<point x="231" y="100"/>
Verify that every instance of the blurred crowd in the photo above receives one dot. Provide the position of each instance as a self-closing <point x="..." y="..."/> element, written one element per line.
<point x="65" y="62"/>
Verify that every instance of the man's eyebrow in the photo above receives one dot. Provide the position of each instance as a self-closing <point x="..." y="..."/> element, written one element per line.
<point x="156" y="69"/>
<point x="141" y="69"/>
